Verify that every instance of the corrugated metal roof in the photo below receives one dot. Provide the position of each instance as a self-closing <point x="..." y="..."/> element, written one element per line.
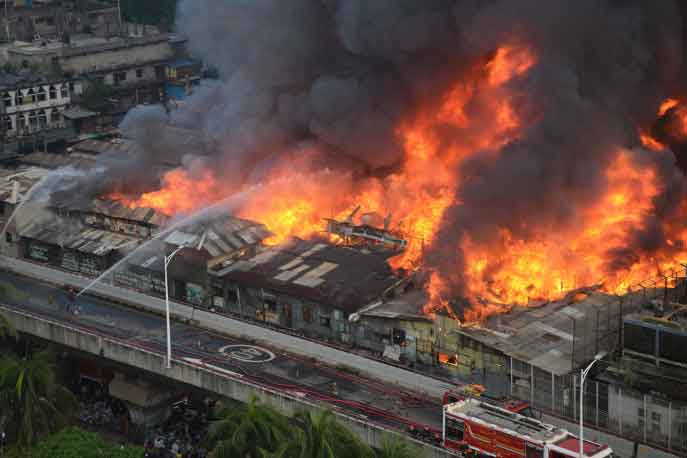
<point x="56" y="231"/>
<point x="118" y="210"/>
<point x="548" y="336"/>
<point x="221" y="236"/>
<point x="54" y="161"/>
<point x="116" y="147"/>
<point x="345" y="278"/>
<point x="78" y="112"/>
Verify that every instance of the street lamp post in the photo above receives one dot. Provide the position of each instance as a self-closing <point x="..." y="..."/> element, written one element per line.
<point x="168" y="259"/>
<point x="583" y="375"/>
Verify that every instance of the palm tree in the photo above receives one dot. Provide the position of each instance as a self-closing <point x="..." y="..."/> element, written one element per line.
<point x="6" y="328"/>
<point x="397" y="447"/>
<point x="34" y="402"/>
<point x="250" y="431"/>
<point x="320" y="436"/>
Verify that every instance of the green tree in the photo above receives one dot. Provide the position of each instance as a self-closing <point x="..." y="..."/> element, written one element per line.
<point x="154" y="12"/>
<point x="249" y="431"/>
<point x="8" y="292"/>
<point x="35" y="403"/>
<point x="95" y="96"/>
<point x="319" y="435"/>
<point x="397" y="447"/>
<point x="74" y="442"/>
<point x="6" y="328"/>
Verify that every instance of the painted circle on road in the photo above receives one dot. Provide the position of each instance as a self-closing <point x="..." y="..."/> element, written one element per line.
<point x="248" y="353"/>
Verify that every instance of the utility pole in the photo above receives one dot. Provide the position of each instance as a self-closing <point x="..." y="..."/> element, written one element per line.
<point x="7" y="22"/>
<point x="119" y="17"/>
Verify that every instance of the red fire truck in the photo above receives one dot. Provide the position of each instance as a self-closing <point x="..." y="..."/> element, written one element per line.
<point x="478" y="429"/>
<point x="471" y="391"/>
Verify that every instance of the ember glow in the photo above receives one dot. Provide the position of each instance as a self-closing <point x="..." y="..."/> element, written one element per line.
<point x="485" y="112"/>
<point x="666" y="105"/>
<point x="650" y="142"/>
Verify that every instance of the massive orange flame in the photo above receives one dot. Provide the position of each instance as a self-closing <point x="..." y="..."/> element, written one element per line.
<point x="481" y="107"/>
<point x="181" y="192"/>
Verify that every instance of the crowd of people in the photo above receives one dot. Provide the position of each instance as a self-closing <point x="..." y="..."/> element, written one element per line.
<point x="181" y="435"/>
<point x="97" y="409"/>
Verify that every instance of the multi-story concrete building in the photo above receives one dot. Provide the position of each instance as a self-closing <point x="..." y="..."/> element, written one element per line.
<point x="33" y="111"/>
<point x="27" y="20"/>
<point x="133" y="68"/>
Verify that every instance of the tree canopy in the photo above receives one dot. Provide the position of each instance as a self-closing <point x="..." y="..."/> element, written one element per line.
<point x="154" y="12"/>
<point x="6" y="328"/>
<point x="254" y="430"/>
<point x="31" y="400"/>
<point x="74" y="442"/>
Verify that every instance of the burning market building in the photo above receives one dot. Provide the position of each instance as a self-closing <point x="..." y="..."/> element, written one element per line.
<point x="309" y="286"/>
<point x="203" y="249"/>
<point x="85" y="236"/>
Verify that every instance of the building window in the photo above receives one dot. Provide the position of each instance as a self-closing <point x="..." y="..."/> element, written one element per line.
<point x="55" y="116"/>
<point x="8" y="123"/>
<point x="33" y="119"/>
<point x="307" y="314"/>
<point x="29" y="98"/>
<point x="64" y="91"/>
<point x="455" y="429"/>
<point x="119" y="77"/>
<point x="160" y="72"/>
<point x="232" y="296"/>
<point x="139" y="73"/>
<point x="8" y="100"/>
<point x="42" y="119"/>
<point x="41" y="95"/>
<point x="325" y="321"/>
<point x="18" y="100"/>
<point x="53" y="92"/>
<point x="21" y="122"/>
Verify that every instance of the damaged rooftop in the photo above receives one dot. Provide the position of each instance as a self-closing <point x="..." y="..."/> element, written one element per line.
<point x="342" y="277"/>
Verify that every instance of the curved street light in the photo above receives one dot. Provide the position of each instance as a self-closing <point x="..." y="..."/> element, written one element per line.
<point x="168" y="259"/>
<point x="583" y="375"/>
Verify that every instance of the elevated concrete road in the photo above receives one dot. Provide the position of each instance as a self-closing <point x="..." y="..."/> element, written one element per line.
<point x="232" y="356"/>
<point x="371" y="428"/>
<point x="212" y="321"/>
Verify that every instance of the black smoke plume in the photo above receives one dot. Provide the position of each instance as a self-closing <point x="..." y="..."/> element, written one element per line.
<point x="341" y="75"/>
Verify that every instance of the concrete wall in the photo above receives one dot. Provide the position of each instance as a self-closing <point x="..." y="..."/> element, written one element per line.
<point x="117" y="57"/>
<point x="234" y="387"/>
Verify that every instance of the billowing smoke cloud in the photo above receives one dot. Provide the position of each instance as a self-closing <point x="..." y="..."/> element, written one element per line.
<point x="343" y="74"/>
<point x="599" y="72"/>
<point x="331" y="80"/>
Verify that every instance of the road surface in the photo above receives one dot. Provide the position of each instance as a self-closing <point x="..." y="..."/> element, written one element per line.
<point x="380" y="401"/>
